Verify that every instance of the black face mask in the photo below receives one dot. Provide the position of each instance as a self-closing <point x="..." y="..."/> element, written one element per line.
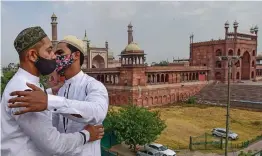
<point x="45" y="66"/>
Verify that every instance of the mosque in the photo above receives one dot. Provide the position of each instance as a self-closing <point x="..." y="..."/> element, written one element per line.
<point x="128" y="79"/>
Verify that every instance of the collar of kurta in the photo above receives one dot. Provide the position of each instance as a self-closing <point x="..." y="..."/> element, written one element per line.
<point x="30" y="77"/>
<point x="74" y="78"/>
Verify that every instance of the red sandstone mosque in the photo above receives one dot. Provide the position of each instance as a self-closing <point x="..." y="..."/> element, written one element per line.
<point x="128" y="79"/>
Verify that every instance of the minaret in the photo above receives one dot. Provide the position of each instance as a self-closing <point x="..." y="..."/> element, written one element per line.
<point x="252" y="30"/>
<point x="54" y="29"/>
<point x="256" y="32"/>
<point x="130" y="33"/>
<point x="85" y="39"/>
<point x="235" y="29"/>
<point x="226" y="29"/>
<point x="256" y="29"/>
<point x="106" y="45"/>
<point x="191" y="48"/>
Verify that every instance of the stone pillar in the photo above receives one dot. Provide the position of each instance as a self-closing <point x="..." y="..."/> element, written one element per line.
<point x="54" y="29"/>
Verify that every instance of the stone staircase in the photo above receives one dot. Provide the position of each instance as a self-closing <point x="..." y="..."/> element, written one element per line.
<point x="216" y="93"/>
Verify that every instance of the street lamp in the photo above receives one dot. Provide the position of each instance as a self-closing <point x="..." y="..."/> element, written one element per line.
<point x="230" y="59"/>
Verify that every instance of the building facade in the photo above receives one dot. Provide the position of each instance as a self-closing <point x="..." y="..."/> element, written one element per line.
<point x="235" y="43"/>
<point x="129" y="80"/>
<point x="95" y="57"/>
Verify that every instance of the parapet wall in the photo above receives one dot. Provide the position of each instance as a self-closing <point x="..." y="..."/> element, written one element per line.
<point x="176" y="68"/>
<point x="207" y="43"/>
<point x="101" y="70"/>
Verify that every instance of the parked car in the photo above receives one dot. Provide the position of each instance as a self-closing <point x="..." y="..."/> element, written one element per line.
<point x="164" y="151"/>
<point x="147" y="153"/>
<point x="221" y="132"/>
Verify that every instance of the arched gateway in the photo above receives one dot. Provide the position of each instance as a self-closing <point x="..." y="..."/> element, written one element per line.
<point x="245" y="66"/>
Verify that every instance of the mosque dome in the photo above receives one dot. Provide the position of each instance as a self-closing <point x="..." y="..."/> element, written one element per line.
<point x="132" y="47"/>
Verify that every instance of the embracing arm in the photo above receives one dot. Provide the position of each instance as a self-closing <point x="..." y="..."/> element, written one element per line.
<point x="38" y="126"/>
<point x="54" y="90"/>
<point x="93" y="109"/>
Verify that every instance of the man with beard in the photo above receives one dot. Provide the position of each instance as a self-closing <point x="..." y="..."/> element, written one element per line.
<point x="33" y="134"/>
<point x="88" y="96"/>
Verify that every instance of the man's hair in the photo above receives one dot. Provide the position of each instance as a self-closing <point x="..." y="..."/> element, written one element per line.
<point x="37" y="46"/>
<point x="74" y="49"/>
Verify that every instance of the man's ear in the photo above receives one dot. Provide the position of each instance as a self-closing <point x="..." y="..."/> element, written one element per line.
<point x="32" y="55"/>
<point x="76" y="56"/>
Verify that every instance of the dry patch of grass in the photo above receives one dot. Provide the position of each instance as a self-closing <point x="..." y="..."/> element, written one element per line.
<point x="184" y="121"/>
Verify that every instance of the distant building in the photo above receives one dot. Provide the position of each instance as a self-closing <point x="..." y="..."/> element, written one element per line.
<point x="128" y="79"/>
<point x="259" y="66"/>
<point x="235" y="43"/>
<point x="95" y="57"/>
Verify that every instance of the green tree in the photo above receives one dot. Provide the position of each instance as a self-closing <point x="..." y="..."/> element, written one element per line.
<point x="7" y="75"/>
<point x="135" y="125"/>
<point x="43" y="81"/>
<point x="9" y="72"/>
<point x="161" y="63"/>
<point x="249" y="153"/>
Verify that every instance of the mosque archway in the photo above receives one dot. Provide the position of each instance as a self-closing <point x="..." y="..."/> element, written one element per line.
<point x="98" y="62"/>
<point x="245" y="69"/>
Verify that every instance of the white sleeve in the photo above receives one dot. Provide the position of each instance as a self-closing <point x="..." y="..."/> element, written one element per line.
<point x="93" y="109"/>
<point x="46" y="137"/>
<point x="49" y="91"/>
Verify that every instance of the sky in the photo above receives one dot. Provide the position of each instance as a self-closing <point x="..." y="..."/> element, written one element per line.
<point x="161" y="29"/>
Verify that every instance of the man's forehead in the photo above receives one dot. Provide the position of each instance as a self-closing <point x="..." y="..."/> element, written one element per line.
<point x="47" y="42"/>
<point x="61" y="46"/>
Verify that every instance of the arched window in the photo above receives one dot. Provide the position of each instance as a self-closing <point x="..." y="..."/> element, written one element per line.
<point x="238" y="52"/>
<point x="252" y="75"/>
<point x="218" y="52"/>
<point x="237" y="63"/>
<point x="230" y="52"/>
<point x="253" y="63"/>
<point x="166" y="78"/>
<point x="254" y="53"/>
<point x="162" y="78"/>
<point x="238" y="76"/>
<point x="218" y="64"/>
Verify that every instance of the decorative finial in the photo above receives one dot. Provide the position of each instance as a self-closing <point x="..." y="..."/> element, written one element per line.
<point x="53" y="16"/>
<point x="130" y="25"/>
<point x="256" y="28"/>
<point x="236" y="24"/>
<point x="85" y="37"/>
<point x="252" y="29"/>
<point x="227" y="24"/>
<point x="106" y="44"/>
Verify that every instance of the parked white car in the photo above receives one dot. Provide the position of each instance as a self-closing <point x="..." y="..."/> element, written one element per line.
<point x="147" y="153"/>
<point x="158" y="148"/>
<point x="221" y="132"/>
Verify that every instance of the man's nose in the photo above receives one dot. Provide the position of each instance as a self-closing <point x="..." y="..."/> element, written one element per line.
<point x="53" y="56"/>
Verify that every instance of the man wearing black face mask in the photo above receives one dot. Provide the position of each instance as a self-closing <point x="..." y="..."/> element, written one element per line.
<point x="85" y="97"/>
<point x="33" y="134"/>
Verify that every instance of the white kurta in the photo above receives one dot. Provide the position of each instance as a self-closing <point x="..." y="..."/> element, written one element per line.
<point x="32" y="134"/>
<point x="82" y="95"/>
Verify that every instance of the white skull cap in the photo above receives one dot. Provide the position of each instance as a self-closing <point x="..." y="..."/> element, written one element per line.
<point x="74" y="41"/>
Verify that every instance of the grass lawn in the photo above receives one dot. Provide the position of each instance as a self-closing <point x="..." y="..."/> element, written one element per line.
<point x="184" y="121"/>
